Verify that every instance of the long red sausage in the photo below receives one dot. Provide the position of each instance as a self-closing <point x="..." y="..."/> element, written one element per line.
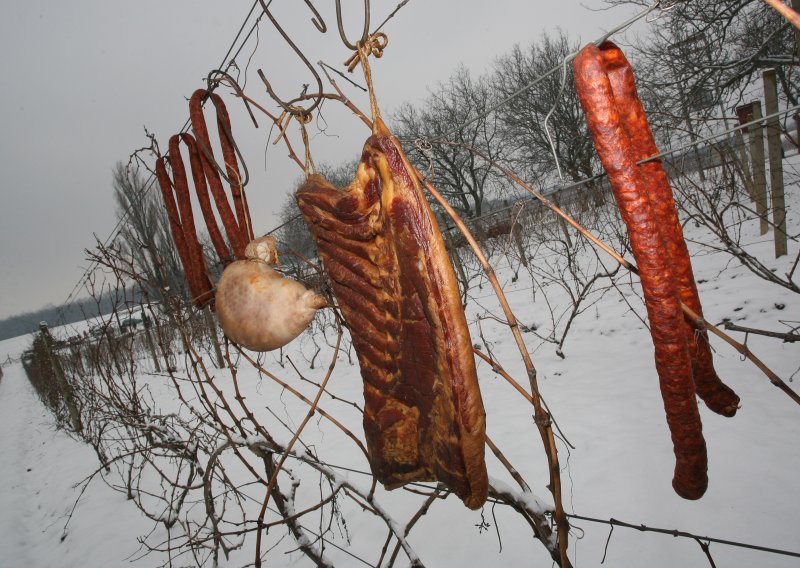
<point x="232" y="167"/>
<point x="201" y="190"/>
<point x="716" y="394"/>
<point x="182" y="224"/>
<point x="237" y="235"/>
<point x="673" y="363"/>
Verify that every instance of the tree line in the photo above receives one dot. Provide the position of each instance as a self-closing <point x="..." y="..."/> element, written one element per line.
<point x="696" y="63"/>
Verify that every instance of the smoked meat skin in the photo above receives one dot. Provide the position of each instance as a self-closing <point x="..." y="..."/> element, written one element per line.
<point x="717" y="395"/>
<point x="381" y="246"/>
<point x="673" y="362"/>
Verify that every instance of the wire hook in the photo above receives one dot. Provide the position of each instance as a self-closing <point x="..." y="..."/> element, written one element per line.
<point x="289" y="106"/>
<point x="317" y="20"/>
<point x="552" y="110"/>
<point x="661" y="7"/>
<point x="212" y="84"/>
<point x="364" y="34"/>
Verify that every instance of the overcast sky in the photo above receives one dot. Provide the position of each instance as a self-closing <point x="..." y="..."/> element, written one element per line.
<point x="82" y="80"/>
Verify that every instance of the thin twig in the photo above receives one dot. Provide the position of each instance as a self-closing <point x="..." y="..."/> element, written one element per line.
<point x="699" y="322"/>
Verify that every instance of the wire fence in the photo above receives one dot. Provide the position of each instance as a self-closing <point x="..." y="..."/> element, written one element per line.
<point x="213" y="420"/>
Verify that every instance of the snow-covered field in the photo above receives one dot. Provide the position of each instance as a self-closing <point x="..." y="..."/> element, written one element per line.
<point x="604" y="395"/>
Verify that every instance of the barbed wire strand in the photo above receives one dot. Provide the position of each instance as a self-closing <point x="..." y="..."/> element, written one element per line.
<point x="614" y="522"/>
<point x="684" y="534"/>
<point x="615" y="30"/>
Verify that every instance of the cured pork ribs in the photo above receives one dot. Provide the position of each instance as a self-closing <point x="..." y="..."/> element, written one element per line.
<point x="381" y="246"/>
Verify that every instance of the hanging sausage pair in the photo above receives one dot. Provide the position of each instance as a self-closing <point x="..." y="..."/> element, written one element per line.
<point x="622" y="137"/>
<point x="257" y="307"/>
<point x="205" y="175"/>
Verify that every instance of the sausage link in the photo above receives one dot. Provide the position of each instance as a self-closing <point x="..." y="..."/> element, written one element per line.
<point x="201" y="189"/>
<point x="172" y="214"/>
<point x="232" y="168"/>
<point x="184" y="232"/>
<point x="673" y="363"/>
<point x="717" y="395"/>
<point x="232" y="229"/>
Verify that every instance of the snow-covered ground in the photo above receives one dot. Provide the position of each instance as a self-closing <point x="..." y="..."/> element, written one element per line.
<point x="604" y="395"/>
<point x="39" y="470"/>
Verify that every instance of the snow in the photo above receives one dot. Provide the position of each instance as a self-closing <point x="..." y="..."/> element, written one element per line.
<point x="525" y="499"/>
<point x="39" y="470"/>
<point x="602" y="390"/>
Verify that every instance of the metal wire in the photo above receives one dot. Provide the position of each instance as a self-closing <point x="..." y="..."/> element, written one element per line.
<point x="291" y="105"/>
<point x="545" y="75"/>
<point x="684" y="534"/>
<point x="340" y="23"/>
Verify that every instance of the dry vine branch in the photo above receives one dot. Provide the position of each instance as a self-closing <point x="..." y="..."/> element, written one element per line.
<point x="542" y="416"/>
<point x="699" y="322"/>
<point x="290" y="445"/>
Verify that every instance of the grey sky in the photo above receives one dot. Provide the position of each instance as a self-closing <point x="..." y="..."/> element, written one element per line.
<point x="82" y="79"/>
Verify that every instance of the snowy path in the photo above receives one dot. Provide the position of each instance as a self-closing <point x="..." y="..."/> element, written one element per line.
<point x="20" y="412"/>
<point x="38" y="468"/>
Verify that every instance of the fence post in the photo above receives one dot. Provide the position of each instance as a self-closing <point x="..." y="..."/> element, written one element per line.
<point x="61" y="380"/>
<point x="755" y="135"/>
<point x="150" y="344"/>
<point x="775" y="152"/>
<point x="515" y="218"/>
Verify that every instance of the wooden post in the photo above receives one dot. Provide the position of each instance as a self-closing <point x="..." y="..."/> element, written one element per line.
<point x="516" y="232"/>
<point x="796" y="8"/>
<point x="797" y="128"/>
<point x="755" y="134"/>
<point x="775" y="153"/>
<point x="150" y="344"/>
<point x="61" y="380"/>
<point x="743" y="163"/>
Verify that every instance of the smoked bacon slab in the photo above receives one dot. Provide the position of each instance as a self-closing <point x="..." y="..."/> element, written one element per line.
<point x="381" y="246"/>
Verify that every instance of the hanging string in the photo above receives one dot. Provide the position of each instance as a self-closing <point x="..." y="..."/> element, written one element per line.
<point x="310" y="167"/>
<point x="374" y="45"/>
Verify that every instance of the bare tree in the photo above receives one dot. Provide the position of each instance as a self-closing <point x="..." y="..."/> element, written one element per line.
<point x="456" y="112"/>
<point x="706" y="52"/>
<point x="145" y="231"/>
<point x="552" y="98"/>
